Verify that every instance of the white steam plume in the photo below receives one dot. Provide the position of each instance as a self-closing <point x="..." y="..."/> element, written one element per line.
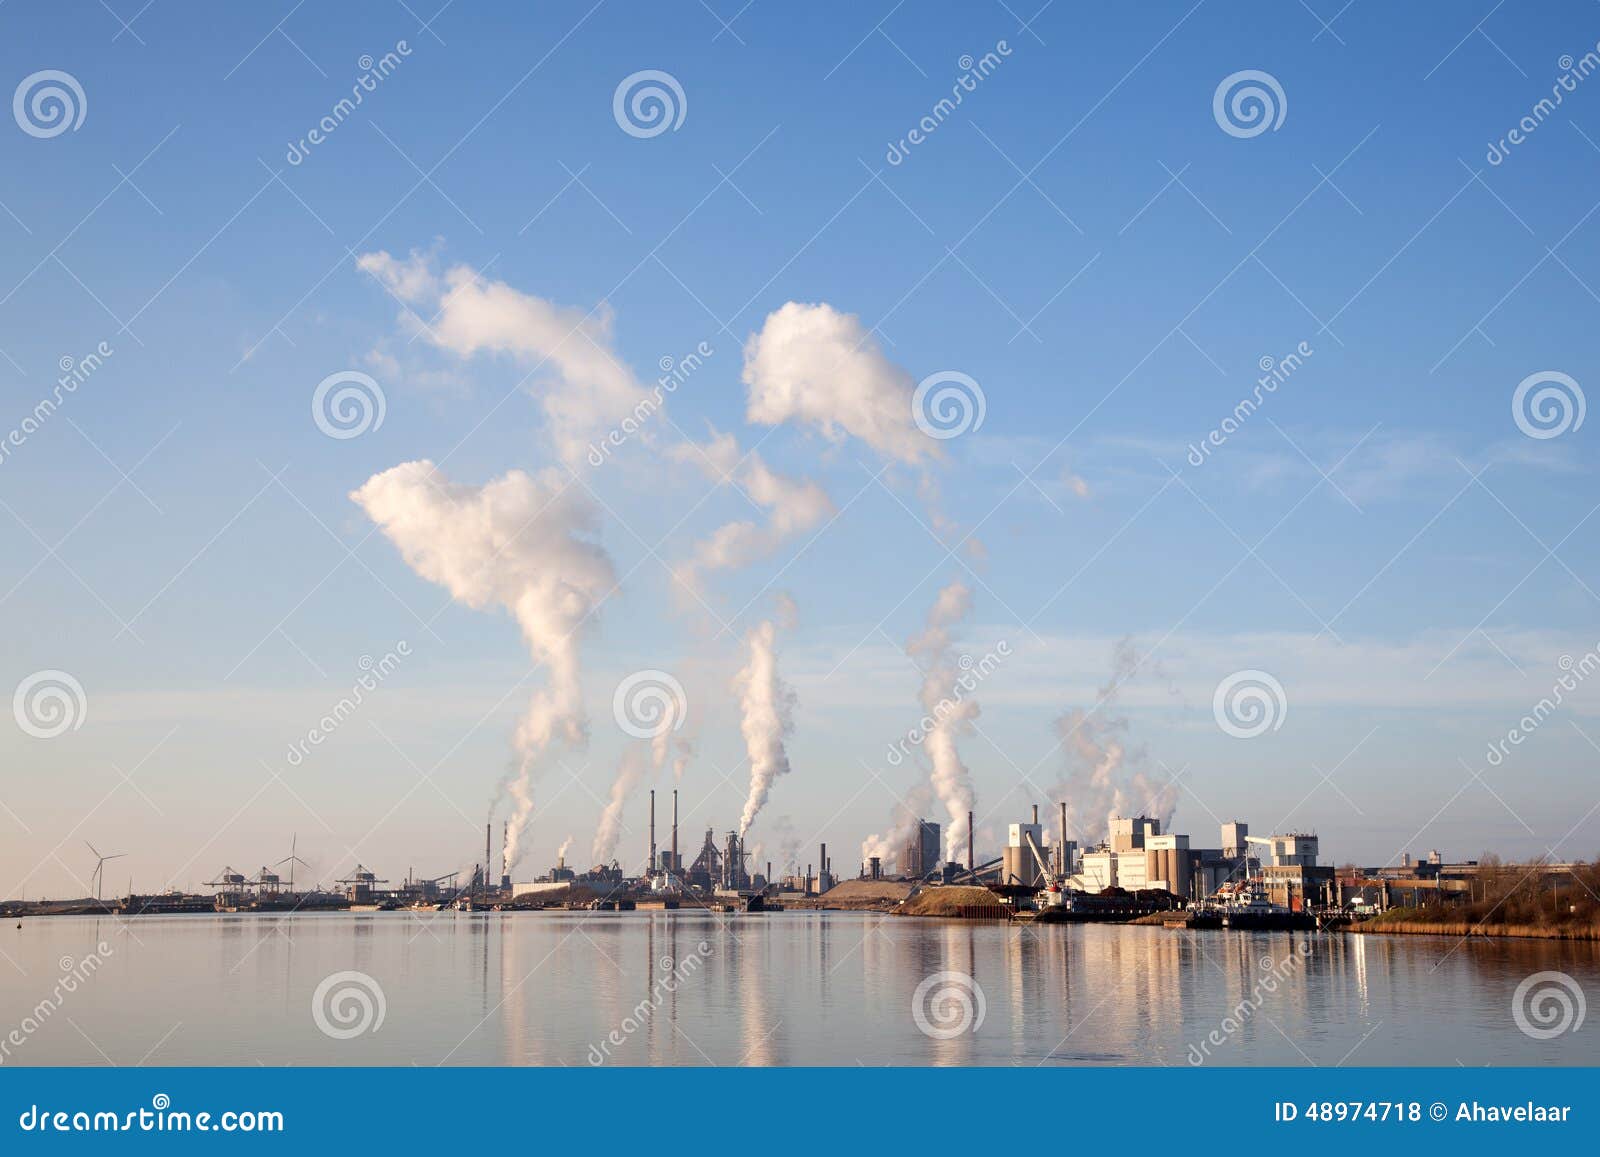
<point x="584" y="387"/>
<point x="903" y="820"/>
<point x="561" y="852"/>
<point x="631" y="772"/>
<point x="766" y="706"/>
<point x="950" y="710"/>
<point x="521" y="543"/>
<point x="813" y="365"/>
<point x="792" y="507"/>
<point x="1096" y="782"/>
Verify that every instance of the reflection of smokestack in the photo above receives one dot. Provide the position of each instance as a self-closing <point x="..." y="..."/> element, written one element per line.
<point x="970" y="863"/>
<point x="674" y="829"/>
<point x="650" y="864"/>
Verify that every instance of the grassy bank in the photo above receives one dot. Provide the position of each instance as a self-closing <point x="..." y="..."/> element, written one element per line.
<point x="1459" y="922"/>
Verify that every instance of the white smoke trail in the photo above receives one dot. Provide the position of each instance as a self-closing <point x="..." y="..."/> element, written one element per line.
<point x="561" y="852"/>
<point x="520" y="542"/>
<point x="766" y="707"/>
<point x="952" y="713"/>
<point x="631" y="772"/>
<point x="902" y="823"/>
<point x="1096" y="782"/>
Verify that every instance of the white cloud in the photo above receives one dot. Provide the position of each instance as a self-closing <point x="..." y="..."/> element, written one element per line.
<point x="583" y="386"/>
<point x="812" y="365"/>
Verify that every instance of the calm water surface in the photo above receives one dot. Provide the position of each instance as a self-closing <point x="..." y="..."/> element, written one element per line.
<point x="795" y="988"/>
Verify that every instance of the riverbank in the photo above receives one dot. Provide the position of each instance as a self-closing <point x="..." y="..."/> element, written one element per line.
<point x="1422" y="922"/>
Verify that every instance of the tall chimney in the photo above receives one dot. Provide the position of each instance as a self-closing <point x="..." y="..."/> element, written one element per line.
<point x="488" y="830"/>
<point x="1066" y="868"/>
<point x="650" y="864"/>
<point x="675" y="829"/>
<point x="1035" y="813"/>
<point x="822" y="863"/>
<point x="970" y="863"/>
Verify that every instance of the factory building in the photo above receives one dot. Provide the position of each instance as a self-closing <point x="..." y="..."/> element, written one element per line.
<point x="1023" y="861"/>
<point x="1138" y="855"/>
<point x="922" y="854"/>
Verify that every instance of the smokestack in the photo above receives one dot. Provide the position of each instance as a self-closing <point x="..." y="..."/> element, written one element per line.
<point x="488" y="838"/>
<point x="971" y="864"/>
<point x="1066" y="868"/>
<point x="674" y="829"/>
<point x="1035" y="813"/>
<point x="650" y="864"/>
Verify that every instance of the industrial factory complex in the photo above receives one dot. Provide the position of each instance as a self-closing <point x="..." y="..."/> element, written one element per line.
<point x="1136" y="870"/>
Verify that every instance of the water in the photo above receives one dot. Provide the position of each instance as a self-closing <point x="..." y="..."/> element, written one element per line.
<point x="795" y="988"/>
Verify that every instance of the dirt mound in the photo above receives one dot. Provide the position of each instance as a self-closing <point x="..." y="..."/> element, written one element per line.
<point x="948" y="900"/>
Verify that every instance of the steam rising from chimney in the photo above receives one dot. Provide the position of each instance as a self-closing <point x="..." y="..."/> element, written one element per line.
<point x="766" y="706"/>
<point x="1096" y="782"/>
<point x="631" y="771"/>
<point x="951" y="711"/>
<point x="520" y="542"/>
<point x="902" y="823"/>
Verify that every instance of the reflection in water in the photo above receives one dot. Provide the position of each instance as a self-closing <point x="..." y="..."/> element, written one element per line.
<point x="580" y="988"/>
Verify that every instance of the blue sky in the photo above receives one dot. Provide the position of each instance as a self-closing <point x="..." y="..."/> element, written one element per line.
<point x="1081" y="237"/>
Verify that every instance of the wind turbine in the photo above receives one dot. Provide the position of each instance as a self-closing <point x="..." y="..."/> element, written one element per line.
<point x="99" y="874"/>
<point x="291" y="859"/>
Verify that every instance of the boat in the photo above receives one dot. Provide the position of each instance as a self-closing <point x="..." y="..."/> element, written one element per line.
<point x="1247" y="909"/>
